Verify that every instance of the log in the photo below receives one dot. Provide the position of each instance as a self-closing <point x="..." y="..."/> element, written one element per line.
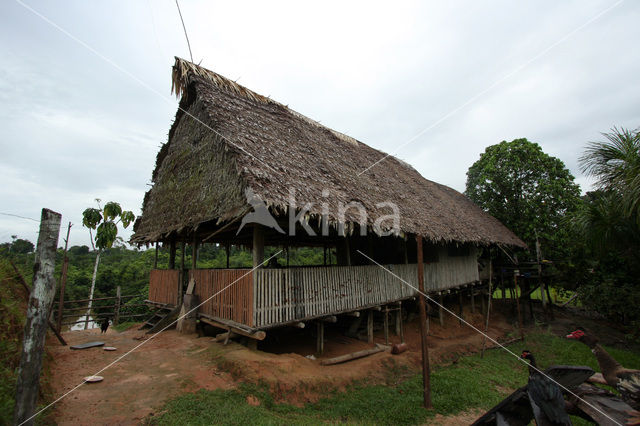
<point x="352" y="356"/>
<point x="398" y="348"/>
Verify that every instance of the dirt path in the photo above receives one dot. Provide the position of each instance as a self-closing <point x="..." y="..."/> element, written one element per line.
<point x="134" y="387"/>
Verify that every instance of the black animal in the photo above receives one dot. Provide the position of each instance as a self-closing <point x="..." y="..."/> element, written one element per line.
<point x="104" y="325"/>
<point x="545" y="396"/>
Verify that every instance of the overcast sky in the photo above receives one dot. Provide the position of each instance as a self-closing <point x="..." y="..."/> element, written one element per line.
<point x="83" y="113"/>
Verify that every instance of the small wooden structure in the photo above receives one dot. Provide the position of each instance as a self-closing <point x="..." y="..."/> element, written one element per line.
<point x="241" y="169"/>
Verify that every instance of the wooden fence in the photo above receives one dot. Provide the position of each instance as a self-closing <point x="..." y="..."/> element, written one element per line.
<point x="117" y="308"/>
<point x="164" y="286"/>
<point x="234" y="303"/>
<point x="286" y="295"/>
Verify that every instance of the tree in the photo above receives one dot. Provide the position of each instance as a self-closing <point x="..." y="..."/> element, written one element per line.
<point x="528" y="190"/>
<point x="22" y="246"/>
<point x="105" y="222"/>
<point x="615" y="164"/>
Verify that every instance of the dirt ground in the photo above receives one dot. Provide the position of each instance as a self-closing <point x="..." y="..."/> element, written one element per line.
<point x="171" y="363"/>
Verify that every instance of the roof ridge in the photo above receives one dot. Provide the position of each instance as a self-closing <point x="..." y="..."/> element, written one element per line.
<point x="181" y="77"/>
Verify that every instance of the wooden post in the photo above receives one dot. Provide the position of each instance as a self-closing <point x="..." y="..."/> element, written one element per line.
<point x="399" y="331"/>
<point x="540" y="282"/>
<point x="194" y="252"/>
<point x="116" y="312"/>
<point x="370" y="326"/>
<point x="320" y="337"/>
<point x="386" y="325"/>
<point x="155" y="259"/>
<point x="35" y="329"/>
<point x="63" y="278"/>
<point x="426" y="373"/>
<point x="460" y="305"/>
<point x="486" y="324"/>
<point x="517" y="296"/>
<point x="440" y="310"/>
<point x="473" y="300"/>
<point x="63" y="283"/>
<point x="227" y="249"/>
<point x="172" y="253"/>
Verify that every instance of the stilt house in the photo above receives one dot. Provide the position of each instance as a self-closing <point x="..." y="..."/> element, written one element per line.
<point x="242" y="169"/>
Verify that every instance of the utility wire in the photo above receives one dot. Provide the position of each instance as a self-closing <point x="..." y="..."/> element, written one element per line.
<point x="17" y="215"/>
<point x="185" y="31"/>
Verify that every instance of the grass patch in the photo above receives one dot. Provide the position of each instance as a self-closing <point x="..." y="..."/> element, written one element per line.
<point x="472" y="382"/>
<point x="123" y="326"/>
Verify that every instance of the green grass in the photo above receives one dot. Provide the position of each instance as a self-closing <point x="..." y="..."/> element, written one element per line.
<point x="556" y="296"/>
<point x="123" y="326"/>
<point x="472" y="382"/>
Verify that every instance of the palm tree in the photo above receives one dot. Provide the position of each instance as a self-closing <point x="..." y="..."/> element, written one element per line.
<point x="615" y="164"/>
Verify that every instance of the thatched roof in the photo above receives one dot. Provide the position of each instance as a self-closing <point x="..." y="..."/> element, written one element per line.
<point x="227" y="138"/>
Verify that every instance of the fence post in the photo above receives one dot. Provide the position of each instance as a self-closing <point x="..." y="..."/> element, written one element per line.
<point x="35" y="328"/>
<point x="116" y="315"/>
<point x="63" y="279"/>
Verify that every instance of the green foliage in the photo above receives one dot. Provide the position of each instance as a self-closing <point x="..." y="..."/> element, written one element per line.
<point x="607" y="228"/>
<point x="17" y="246"/>
<point x="111" y="211"/>
<point x="91" y="218"/>
<point x="527" y="190"/>
<point x="472" y="382"/>
<point x="106" y="234"/>
<point x="105" y="221"/>
<point x="616" y="166"/>
<point x="12" y="317"/>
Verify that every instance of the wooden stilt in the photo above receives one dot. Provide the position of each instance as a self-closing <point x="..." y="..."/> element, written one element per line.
<point x="320" y="337"/>
<point x="370" y="326"/>
<point x="426" y="373"/>
<point x="399" y="319"/>
<point x="473" y="300"/>
<point x="440" y="310"/>
<point x="227" y="249"/>
<point x="515" y="283"/>
<point x="460" y="303"/>
<point x="550" y="306"/>
<point x="386" y="325"/>
<point x="486" y="324"/>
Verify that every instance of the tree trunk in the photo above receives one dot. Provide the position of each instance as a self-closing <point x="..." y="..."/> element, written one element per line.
<point x="93" y="286"/>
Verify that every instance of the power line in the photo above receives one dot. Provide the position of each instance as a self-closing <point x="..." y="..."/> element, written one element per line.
<point x="17" y="215"/>
<point x="185" y="31"/>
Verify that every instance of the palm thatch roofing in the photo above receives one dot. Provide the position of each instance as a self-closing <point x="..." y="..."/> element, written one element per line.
<point x="227" y="139"/>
